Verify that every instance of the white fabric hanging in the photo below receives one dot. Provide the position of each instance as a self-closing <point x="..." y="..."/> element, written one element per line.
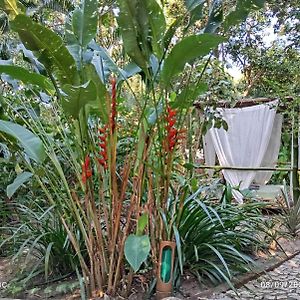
<point x="245" y="142"/>
<point x="271" y="155"/>
<point x="209" y="153"/>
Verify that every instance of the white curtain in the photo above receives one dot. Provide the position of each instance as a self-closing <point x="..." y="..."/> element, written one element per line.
<point x="271" y="155"/>
<point x="209" y="153"/>
<point x="245" y="142"/>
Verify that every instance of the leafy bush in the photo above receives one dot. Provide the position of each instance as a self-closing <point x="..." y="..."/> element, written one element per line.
<point x="217" y="239"/>
<point x="290" y="215"/>
<point x="40" y="243"/>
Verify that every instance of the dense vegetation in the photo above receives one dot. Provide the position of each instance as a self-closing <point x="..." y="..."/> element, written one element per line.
<point x="99" y="136"/>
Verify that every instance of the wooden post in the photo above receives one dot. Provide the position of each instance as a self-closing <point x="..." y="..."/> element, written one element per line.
<point x="295" y="159"/>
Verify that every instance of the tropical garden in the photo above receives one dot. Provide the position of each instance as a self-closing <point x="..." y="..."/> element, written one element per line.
<point x="103" y="106"/>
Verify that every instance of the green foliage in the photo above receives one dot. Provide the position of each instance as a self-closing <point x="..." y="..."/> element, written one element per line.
<point x="215" y="17"/>
<point x="290" y="212"/>
<point x="84" y="21"/>
<point x="189" y="95"/>
<point x="141" y="224"/>
<point x="100" y="105"/>
<point x="40" y="243"/>
<point x="48" y="47"/>
<point x="185" y="51"/>
<point x="10" y="7"/>
<point x="28" y="77"/>
<point x="137" y="249"/>
<point x="18" y="182"/>
<point x="241" y="11"/>
<point x="217" y="238"/>
<point x="93" y="191"/>
<point x="142" y="25"/>
<point x="195" y="8"/>
<point x="32" y="144"/>
<point x="78" y="98"/>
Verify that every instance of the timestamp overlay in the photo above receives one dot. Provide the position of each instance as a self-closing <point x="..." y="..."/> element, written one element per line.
<point x="283" y="284"/>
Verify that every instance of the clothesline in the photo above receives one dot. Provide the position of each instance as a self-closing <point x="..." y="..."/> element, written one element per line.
<point x="219" y="168"/>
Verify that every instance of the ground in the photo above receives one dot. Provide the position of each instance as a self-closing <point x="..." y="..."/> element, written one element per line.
<point x="281" y="281"/>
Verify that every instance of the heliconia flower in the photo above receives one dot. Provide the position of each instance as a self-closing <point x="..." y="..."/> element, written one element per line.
<point x="102" y="138"/>
<point x="104" y="154"/>
<point x="173" y="134"/>
<point x="171" y="122"/>
<point x="103" y="146"/>
<point x="102" y="129"/>
<point x="86" y="170"/>
<point x="171" y="112"/>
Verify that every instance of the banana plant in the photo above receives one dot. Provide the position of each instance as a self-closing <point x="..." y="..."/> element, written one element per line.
<point x="67" y="74"/>
<point x="29" y="144"/>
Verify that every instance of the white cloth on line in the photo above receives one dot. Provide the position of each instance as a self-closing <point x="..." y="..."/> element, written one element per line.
<point x="271" y="155"/>
<point x="245" y="142"/>
<point x="209" y="153"/>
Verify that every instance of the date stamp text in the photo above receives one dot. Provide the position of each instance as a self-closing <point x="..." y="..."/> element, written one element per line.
<point x="271" y="284"/>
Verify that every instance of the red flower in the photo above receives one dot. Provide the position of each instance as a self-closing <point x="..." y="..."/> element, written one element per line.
<point x="103" y="147"/>
<point x="171" y="112"/>
<point x="86" y="170"/>
<point x="173" y="134"/>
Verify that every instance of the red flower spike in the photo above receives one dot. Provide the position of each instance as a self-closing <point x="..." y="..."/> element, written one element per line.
<point x="171" y="112"/>
<point x="103" y="147"/>
<point x="86" y="170"/>
<point x="171" y="122"/>
<point x="102" y="130"/>
<point x="102" y="138"/>
<point x="172" y="132"/>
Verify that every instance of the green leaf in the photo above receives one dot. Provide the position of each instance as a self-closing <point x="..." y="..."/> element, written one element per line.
<point x="170" y="32"/>
<point x="141" y="224"/>
<point x="192" y="4"/>
<point x="17" y="183"/>
<point x="84" y="21"/>
<point x="77" y="97"/>
<point x="189" y="94"/>
<point x="242" y="9"/>
<point x="10" y="7"/>
<point x="157" y="25"/>
<point x="48" y="47"/>
<point x="190" y="48"/>
<point x="195" y="8"/>
<point x="131" y="32"/>
<point x="196" y="14"/>
<point x="47" y="259"/>
<point x="215" y="18"/>
<point x="154" y="113"/>
<point x="32" y="144"/>
<point x="106" y="60"/>
<point x="130" y="70"/>
<point x="99" y="106"/>
<point x="142" y="25"/>
<point x="178" y="247"/>
<point x="28" y="77"/>
<point x="137" y="249"/>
